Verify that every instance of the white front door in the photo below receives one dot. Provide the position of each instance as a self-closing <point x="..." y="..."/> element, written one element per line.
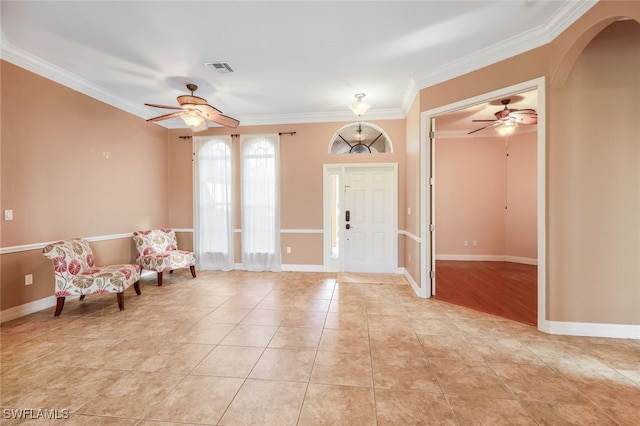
<point x="369" y="221"/>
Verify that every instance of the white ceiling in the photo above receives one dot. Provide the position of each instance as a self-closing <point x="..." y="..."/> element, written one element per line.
<point x="294" y="61"/>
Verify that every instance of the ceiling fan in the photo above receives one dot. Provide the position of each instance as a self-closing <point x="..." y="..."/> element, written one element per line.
<point x="195" y="112"/>
<point x="510" y="117"/>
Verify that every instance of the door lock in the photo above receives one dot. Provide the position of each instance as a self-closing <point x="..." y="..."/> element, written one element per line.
<point x="348" y="226"/>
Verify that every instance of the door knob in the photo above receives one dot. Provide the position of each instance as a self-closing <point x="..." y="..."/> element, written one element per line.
<point x="348" y="226"/>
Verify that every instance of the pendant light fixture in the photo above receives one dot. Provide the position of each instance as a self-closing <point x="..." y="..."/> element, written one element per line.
<point x="359" y="107"/>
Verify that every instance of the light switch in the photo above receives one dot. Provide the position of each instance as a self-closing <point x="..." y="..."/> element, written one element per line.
<point x="8" y="215"/>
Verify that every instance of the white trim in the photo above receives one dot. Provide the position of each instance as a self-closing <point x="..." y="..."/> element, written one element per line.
<point x="409" y="278"/>
<point x="27" y="308"/>
<point x="291" y="267"/>
<point x="507" y="48"/>
<point x="301" y="231"/>
<point x="488" y="258"/>
<point x="410" y="236"/>
<point x="40" y="246"/>
<point x="586" y="329"/>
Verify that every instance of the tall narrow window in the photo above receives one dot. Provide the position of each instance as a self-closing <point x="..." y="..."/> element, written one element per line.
<point x="213" y="196"/>
<point x="334" y="195"/>
<point x="260" y="202"/>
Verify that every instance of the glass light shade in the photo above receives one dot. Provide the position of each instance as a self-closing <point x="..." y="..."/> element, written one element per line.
<point x="507" y="128"/>
<point x="192" y="119"/>
<point x="359" y="108"/>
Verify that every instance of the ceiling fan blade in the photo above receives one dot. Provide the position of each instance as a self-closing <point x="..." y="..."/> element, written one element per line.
<point x="477" y="130"/>
<point x="208" y="111"/>
<point x="163" y="106"/>
<point x="167" y="116"/>
<point x="213" y="114"/>
<point x="525" y="116"/>
<point x="190" y="99"/>
<point x="225" y="121"/>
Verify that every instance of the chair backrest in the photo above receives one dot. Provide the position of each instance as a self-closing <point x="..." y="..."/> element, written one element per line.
<point x="70" y="257"/>
<point x="154" y="241"/>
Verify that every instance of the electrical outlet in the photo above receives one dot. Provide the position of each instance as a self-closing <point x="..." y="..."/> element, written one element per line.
<point x="475" y="243"/>
<point x="8" y="215"/>
<point x="288" y="250"/>
<point x="28" y="279"/>
<point x="466" y="243"/>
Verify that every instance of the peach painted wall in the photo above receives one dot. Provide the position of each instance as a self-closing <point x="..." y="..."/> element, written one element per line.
<point x="412" y="188"/>
<point x="71" y="167"/>
<point x="594" y="183"/>
<point x="475" y="181"/>
<point x="302" y="157"/>
<point x="469" y="196"/>
<point x="520" y="224"/>
<point x="592" y="207"/>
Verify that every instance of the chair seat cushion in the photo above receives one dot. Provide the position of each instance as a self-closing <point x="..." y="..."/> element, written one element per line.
<point x="166" y="260"/>
<point x="99" y="279"/>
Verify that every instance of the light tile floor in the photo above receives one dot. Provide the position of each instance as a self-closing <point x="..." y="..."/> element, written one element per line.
<point x="239" y="348"/>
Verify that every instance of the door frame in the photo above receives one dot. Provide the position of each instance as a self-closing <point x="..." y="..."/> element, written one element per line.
<point x="333" y="265"/>
<point x="426" y="204"/>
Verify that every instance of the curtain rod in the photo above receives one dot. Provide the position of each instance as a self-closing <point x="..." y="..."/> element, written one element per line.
<point x="237" y="135"/>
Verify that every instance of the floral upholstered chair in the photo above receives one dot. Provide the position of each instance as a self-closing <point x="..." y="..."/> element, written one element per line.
<point x="157" y="250"/>
<point x="77" y="275"/>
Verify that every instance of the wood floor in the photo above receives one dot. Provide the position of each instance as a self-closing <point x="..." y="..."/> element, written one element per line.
<point x="505" y="289"/>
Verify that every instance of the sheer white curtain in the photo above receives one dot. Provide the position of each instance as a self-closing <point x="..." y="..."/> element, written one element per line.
<point x="260" y="165"/>
<point x="213" y="230"/>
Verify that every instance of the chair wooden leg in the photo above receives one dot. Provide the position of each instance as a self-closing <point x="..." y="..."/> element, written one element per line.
<point x="193" y="271"/>
<point x="59" y="306"/>
<point x="120" y="297"/>
<point x="159" y="279"/>
<point x="136" y="287"/>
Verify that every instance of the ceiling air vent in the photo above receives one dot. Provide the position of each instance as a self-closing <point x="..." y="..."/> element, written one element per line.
<point x="219" y="67"/>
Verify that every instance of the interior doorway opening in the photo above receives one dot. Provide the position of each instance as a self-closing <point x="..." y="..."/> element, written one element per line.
<point x="461" y="252"/>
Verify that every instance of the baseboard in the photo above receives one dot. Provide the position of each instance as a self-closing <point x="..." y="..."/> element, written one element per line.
<point x="302" y="268"/>
<point x="45" y="303"/>
<point x="617" y="331"/>
<point x="586" y="329"/>
<point x="414" y="285"/>
<point x="26" y="309"/>
<point x="487" y="258"/>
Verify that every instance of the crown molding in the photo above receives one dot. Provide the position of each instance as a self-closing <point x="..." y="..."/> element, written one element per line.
<point x="52" y="72"/>
<point x="492" y="54"/>
<point x="510" y="47"/>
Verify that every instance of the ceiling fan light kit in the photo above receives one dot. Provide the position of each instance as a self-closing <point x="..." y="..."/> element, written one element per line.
<point x="359" y="107"/>
<point x="507" y="128"/>
<point x="192" y="119"/>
